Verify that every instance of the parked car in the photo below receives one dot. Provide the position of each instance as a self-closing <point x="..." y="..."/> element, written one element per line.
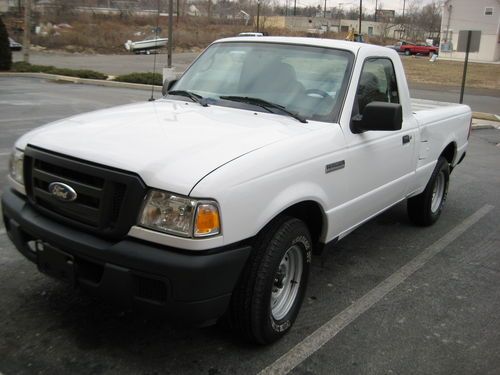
<point x="418" y="49"/>
<point x="392" y="46"/>
<point x="211" y="201"/>
<point x="15" y="46"/>
<point x="397" y="46"/>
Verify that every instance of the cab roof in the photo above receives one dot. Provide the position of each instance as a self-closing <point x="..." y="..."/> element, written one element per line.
<point x="316" y="42"/>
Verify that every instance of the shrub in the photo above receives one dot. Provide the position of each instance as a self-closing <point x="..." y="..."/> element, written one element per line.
<point x="146" y="78"/>
<point x="80" y="73"/>
<point x="5" y="53"/>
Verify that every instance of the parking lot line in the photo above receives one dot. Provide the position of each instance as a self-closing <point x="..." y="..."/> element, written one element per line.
<point x="330" y="329"/>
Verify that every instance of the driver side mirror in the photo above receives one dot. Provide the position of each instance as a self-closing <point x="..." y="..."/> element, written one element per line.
<point x="378" y="116"/>
<point x="167" y="85"/>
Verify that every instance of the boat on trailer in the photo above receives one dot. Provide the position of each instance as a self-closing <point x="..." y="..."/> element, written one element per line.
<point x="146" y="45"/>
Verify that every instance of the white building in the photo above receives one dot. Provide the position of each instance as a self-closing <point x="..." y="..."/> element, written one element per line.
<point x="478" y="15"/>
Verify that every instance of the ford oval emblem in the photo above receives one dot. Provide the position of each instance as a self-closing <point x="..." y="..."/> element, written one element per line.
<point x="62" y="192"/>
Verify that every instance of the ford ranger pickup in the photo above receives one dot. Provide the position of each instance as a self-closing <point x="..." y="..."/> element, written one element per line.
<point x="211" y="201"/>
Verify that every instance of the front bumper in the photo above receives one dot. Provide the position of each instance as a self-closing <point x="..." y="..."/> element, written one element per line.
<point x="193" y="287"/>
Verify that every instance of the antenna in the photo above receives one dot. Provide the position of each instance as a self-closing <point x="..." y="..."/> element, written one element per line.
<point x="152" y="99"/>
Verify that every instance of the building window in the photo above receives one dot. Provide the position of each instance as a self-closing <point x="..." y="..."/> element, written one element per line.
<point x="370" y="30"/>
<point x="488" y="11"/>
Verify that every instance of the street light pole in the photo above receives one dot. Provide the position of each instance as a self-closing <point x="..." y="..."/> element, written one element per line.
<point x="170" y="32"/>
<point x="27" y="30"/>
<point x="360" y="15"/>
<point x="258" y="15"/>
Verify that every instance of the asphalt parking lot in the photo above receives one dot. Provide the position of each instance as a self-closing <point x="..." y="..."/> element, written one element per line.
<point x="390" y="298"/>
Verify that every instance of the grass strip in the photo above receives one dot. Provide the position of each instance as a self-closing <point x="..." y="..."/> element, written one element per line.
<point x="80" y="73"/>
<point x="145" y="78"/>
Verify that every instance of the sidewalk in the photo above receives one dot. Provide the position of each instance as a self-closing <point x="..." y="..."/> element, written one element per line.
<point x="478" y="123"/>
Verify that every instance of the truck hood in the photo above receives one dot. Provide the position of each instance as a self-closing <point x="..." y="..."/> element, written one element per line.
<point x="170" y="144"/>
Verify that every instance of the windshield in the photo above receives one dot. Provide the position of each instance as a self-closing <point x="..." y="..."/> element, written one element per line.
<point x="308" y="81"/>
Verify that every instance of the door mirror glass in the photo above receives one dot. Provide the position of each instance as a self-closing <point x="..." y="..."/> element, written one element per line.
<point x="378" y="116"/>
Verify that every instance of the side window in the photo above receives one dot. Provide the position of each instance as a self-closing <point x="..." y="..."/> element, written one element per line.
<point x="377" y="84"/>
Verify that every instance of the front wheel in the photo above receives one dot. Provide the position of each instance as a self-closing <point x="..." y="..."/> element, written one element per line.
<point x="267" y="299"/>
<point x="424" y="209"/>
<point x="407" y="52"/>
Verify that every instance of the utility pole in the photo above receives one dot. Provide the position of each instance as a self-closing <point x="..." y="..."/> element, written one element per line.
<point x="376" y="6"/>
<point x="177" y="18"/>
<point x="258" y="15"/>
<point x="360" y="15"/>
<point x="294" y="7"/>
<point x="403" y="18"/>
<point x="340" y="11"/>
<point x="170" y="32"/>
<point x="324" y="11"/>
<point x="27" y="30"/>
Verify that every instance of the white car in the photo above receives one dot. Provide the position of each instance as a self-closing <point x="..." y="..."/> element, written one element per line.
<point x="15" y="46"/>
<point x="213" y="199"/>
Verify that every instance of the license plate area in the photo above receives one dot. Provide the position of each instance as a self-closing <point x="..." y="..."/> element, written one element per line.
<point x="55" y="263"/>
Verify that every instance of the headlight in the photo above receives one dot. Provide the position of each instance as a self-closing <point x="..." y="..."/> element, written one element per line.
<point x="181" y="216"/>
<point x="16" y="166"/>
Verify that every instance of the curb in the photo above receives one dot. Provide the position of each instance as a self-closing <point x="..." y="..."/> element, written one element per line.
<point x="486" y="116"/>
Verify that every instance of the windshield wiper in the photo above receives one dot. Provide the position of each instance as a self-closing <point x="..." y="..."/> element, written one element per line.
<point x="264" y="104"/>
<point x="191" y="95"/>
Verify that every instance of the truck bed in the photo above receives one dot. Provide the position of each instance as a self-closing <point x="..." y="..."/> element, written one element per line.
<point x="432" y="111"/>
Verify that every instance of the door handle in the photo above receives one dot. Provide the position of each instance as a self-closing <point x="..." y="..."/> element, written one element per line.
<point x="406" y="138"/>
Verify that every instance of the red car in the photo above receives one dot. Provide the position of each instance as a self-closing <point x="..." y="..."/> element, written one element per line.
<point x="414" y="49"/>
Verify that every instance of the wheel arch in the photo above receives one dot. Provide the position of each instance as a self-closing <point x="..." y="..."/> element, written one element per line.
<point x="312" y="214"/>
<point x="449" y="153"/>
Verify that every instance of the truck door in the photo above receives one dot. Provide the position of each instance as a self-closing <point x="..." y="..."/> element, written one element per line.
<point x="378" y="163"/>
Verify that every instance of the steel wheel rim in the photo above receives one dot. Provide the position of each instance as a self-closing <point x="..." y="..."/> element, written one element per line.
<point x="286" y="282"/>
<point x="438" y="192"/>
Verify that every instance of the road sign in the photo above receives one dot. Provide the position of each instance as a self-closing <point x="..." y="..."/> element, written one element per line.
<point x="475" y="41"/>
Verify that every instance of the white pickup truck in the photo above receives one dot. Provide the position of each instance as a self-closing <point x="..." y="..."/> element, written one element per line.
<point x="211" y="201"/>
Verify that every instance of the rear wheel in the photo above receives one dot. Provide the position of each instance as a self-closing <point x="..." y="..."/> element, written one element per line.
<point x="425" y="208"/>
<point x="267" y="299"/>
<point x="407" y="52"/>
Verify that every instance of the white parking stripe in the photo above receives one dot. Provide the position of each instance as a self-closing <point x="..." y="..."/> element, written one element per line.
<point x="330" y="329"/>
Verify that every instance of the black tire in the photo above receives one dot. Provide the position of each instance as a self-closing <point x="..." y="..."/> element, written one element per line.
<point x="423" y="210"/>
<point x="250" y="311"/>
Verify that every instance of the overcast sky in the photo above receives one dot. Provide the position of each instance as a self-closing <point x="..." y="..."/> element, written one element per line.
<point x="396" y="5"/>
